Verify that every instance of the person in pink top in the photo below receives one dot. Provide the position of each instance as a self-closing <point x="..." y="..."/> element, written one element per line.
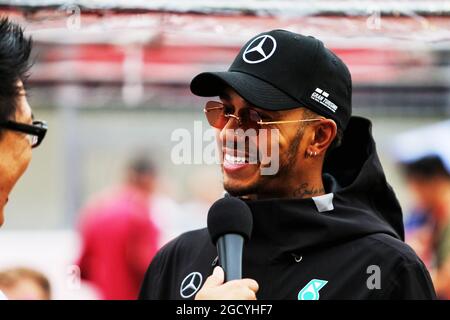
<point x="119" y="238"/>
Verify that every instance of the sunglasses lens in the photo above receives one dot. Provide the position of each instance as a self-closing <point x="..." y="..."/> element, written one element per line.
<point x="33" y="140"/>
<point x="37" y="139"/>
<point x="215" y="114"/>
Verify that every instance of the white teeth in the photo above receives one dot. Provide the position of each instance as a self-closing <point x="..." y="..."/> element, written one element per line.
<point x="234" y="160"/>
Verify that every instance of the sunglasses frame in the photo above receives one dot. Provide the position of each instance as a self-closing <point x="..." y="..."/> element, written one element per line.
<point x="38" y="129"/>
<point x="261" y="122"/>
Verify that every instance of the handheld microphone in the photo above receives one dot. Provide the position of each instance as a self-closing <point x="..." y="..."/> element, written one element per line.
<point x="230" y="224"/>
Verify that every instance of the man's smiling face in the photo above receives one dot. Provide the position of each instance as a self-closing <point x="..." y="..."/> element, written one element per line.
<point x="242" y="178"/>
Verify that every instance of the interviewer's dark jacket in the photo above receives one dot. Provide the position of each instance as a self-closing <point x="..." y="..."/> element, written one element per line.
<point x="347" y="244"/>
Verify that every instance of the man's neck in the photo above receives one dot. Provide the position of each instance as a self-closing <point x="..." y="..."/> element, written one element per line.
<point x="307" y="188"/>
<point x="308" y="185"/>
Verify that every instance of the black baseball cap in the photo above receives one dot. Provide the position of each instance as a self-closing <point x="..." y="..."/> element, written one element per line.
<point x="282" y="70"/>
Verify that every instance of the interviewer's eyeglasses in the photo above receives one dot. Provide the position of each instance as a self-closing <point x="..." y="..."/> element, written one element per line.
<point x="36" y="131"/>
<point x="218" y="115"/>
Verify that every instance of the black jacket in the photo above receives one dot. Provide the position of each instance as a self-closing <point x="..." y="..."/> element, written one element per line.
<point x="347" y="244"/>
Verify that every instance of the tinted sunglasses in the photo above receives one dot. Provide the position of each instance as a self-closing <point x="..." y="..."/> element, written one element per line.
<point x="218" y="115"/>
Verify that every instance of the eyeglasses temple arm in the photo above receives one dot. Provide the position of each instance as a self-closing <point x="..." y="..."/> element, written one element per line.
<point x="287" y="121"/>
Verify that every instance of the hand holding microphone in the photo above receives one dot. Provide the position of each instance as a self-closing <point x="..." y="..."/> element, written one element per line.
<point x="230" y="223"/>
<point x="215" y="288"/>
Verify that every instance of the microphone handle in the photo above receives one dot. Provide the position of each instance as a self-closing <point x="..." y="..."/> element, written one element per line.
<point x="229" y="248"/>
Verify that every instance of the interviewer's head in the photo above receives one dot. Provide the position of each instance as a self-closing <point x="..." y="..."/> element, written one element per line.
<point x="18" y="133"/>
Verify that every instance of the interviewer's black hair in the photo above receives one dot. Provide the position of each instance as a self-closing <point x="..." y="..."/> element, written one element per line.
<point x="15" y="51"/>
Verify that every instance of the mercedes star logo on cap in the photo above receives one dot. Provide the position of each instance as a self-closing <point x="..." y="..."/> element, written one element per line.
<point x="191" y="284"/>
<point x="260" y="49"/>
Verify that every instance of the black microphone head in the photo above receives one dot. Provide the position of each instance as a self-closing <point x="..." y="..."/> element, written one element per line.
<point x="229" y="215"/>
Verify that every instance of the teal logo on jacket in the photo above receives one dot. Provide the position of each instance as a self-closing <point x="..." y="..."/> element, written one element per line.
<point x="311" y="290"/>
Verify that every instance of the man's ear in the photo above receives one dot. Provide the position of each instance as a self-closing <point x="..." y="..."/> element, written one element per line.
<point x="324" y="133"/>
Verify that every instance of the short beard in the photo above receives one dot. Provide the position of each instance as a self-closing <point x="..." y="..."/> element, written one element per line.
<point x="262" y="187"/>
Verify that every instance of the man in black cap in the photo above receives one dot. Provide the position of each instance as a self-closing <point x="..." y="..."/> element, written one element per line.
<point x="327" y="224"/>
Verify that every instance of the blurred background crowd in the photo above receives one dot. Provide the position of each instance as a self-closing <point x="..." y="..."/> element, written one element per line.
<point x="112" y="80"/>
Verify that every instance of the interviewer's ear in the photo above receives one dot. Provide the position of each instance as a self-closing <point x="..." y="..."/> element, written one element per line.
<point x="322" y="135"/>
